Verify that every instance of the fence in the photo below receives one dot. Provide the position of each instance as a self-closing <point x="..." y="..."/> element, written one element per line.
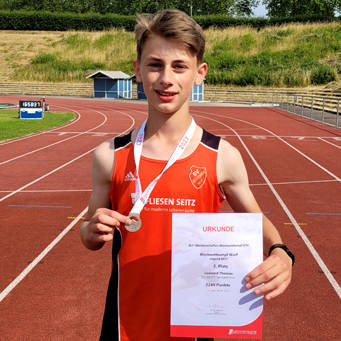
<point x="324" y="109"/>
<point x="46" y="90"/>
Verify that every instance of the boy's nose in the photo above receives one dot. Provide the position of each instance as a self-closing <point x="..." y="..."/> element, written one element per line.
<point x="166" y="77"/>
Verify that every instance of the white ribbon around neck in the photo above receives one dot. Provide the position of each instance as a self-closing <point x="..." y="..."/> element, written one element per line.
<point x="141" y="198"/>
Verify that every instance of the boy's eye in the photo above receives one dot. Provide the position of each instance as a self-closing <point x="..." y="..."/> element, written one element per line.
<point x="155" y="65"/>
<point x="180" y="67"/>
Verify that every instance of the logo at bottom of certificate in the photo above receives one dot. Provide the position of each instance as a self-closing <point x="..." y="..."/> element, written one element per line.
<point x="242" y="332"/>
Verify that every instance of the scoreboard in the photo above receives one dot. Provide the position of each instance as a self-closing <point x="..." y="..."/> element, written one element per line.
<point x="29" y="104"/>
<point x="31" y="109"/>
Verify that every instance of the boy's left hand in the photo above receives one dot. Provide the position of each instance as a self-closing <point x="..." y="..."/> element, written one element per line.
<point x="274" y="272"/>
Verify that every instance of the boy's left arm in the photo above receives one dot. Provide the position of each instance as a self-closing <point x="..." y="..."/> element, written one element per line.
<point x="275" y="271"/>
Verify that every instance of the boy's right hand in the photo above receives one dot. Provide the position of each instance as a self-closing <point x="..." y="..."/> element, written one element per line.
<point x="100" y="228"/>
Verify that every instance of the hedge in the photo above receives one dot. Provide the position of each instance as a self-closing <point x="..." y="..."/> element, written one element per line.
<point x="47" y="21"/>
<point x="259" y="23"/>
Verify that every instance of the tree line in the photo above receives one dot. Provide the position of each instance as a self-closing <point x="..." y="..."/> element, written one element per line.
<point x="131" y="7"/>
<point x="290" y="8"/>
<point x="236" y="8"/>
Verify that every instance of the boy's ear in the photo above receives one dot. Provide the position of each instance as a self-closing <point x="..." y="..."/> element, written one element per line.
<point x="136" y="67"/>
<point x="202" y="70"/>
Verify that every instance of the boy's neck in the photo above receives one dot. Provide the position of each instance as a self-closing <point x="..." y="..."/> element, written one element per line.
<point x="163" y="133"/>
<point x="167" y="126"/>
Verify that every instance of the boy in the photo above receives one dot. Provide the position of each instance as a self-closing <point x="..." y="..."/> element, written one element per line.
<point x="170" y="47"/>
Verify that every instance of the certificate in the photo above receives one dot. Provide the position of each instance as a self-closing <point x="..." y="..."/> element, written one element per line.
<point x="211" y="255"/>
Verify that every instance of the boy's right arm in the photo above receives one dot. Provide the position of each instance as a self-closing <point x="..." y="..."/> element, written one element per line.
<point x="100" y="221"/>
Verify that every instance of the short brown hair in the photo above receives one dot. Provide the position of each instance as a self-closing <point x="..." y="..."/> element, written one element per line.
<point x="172" y="24"/>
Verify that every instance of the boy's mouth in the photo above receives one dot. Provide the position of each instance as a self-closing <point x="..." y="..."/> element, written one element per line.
<point x="168" y="94"/>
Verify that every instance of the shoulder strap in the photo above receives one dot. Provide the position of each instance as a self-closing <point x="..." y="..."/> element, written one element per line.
<point x="122" y="141"/>
<point x="210" y="140"/>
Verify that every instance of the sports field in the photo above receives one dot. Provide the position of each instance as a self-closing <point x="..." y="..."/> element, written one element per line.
<point x="53" y="288"/>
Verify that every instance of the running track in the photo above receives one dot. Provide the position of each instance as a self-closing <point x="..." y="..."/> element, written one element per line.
<point x="52" y="288"/>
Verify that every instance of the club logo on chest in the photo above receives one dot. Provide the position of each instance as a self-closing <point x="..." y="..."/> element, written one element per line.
<point x="198" y="176"/>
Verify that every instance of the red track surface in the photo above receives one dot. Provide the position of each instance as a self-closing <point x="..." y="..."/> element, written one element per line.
<point x="295" y="174"/>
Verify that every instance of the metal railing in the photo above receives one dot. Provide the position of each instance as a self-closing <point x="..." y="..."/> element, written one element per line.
<point x="46" y="90"/>
<point x="317" y="108"/>
<point x="325" y="109"/>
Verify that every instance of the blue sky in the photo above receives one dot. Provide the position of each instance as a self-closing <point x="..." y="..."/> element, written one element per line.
<point x="260" y="11"/>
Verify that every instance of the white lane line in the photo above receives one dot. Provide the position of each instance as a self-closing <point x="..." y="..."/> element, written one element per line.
<point x="307" y="157"/>
<point x="43" y="132"/>
<point x="295" y="182"/>
<point x="57" y="169"/>
<point x="278" y="137"/>
<point x="14" y="283"/>
<point x="310" y="246"/>
<point x="333" y="144"/>
<point x="77" y="132"/>
<point x="55" y="143"/>
<point x="45" y="175"/>
<point x="31" y="266"/>
<point x="301" y="138"/>
<point x="51" y="191"/>
<point x="89" y="190"/>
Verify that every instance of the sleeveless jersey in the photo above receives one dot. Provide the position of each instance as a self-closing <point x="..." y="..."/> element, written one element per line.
<point x="138" y="298"/>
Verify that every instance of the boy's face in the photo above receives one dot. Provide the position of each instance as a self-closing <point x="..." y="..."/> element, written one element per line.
<point x="168" y="70"/>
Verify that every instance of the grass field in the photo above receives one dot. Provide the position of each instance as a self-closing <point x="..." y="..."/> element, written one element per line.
<point x="293" y="55"/>
<point x="12" y="126"/>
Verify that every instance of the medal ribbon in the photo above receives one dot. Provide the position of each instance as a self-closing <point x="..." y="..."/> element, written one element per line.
<point x="141" y="198"/>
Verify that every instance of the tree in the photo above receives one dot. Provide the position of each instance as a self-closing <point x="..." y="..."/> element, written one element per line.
<point x="286" y="8"/>
<point x="131" y="7"/>
<point x="223" y="7"/>
<point x="244" y="7"/>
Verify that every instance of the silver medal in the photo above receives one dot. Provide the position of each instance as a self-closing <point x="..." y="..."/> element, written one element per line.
<point x="136" y="222"/>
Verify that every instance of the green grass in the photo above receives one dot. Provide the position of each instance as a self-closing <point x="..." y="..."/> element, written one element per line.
<point x="293" y="55"/>
<point x="296" y="56"/>
<point x="79" y="54"/>
<point x="11" y="126"/>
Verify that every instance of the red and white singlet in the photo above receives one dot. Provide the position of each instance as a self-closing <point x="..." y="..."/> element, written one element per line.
<point x="138" y="298"/>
